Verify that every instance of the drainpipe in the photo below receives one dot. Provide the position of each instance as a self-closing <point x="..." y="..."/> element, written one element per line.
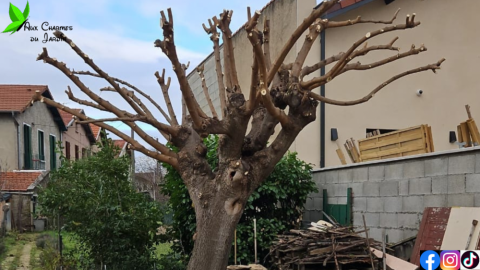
<point x="19" y="159"/>
<point x="322" y="104"/>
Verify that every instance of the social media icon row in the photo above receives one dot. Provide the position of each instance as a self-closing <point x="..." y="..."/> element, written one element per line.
<point x="449" y="259"/>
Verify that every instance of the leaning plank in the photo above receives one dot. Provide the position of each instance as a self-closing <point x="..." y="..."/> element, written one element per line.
<point x="465" y="134"/>
<point x="341" y="156"/>
<point x="472" y="127"/>
<point x="394" y="262"/>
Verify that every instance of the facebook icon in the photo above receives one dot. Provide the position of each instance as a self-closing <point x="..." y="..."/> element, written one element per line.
<point x="430" y="260"/>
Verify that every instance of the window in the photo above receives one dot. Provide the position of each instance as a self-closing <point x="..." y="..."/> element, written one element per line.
<point x="41" y="146"/>
<point x="53" y="154"/>
<point x="27" y="147"/>
<point x="67" y="150"/>
<point x="77" y="152"/>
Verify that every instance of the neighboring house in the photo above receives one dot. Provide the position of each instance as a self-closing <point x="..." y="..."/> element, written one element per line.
<point x="29" y="132"/>
<point x="122" y="145"/>
<point x="19" y="192"/>
<point x="395" y="107"/>
<point x="79" y="139"/>
<point x="148" y="183"/>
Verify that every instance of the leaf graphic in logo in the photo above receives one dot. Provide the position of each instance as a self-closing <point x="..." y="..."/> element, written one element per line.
<point x="13" y="27"/>
<point x="18" y="18"/>
<point x="15" y="14"/>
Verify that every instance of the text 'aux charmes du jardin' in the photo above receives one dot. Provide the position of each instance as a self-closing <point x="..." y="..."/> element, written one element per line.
<point x="46" y="27"/>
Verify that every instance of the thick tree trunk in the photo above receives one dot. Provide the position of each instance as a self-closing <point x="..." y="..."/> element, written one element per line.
<point x="214" y="238"/>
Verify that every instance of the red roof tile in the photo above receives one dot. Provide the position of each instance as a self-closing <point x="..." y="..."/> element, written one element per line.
<point x="119" y="143"/>
<point x="67" y="117"/>
<point x="17" y="181"/>
<point x="17" y="97"/>
<point x="95" y="130"/>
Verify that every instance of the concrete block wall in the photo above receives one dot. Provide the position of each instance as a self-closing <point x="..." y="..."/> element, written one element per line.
<point x="392" y="194"/>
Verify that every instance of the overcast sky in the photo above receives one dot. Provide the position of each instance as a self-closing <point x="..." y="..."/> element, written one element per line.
<point x="117" y="34"/>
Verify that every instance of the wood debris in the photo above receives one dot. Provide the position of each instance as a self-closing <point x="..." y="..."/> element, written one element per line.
<point x="322" y="245"/>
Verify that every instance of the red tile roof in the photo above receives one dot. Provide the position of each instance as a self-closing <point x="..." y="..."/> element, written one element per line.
<point x="17" y="97"/>
<point x="67" y="117"/>
<point x="119" y="143"/>
<point x="95" y="130"/>
<point x="18" y="181"/>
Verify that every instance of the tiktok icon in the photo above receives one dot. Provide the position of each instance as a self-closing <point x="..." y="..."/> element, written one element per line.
<point x="470" y="259"/>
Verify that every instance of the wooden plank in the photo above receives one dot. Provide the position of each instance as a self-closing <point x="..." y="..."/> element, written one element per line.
<point x="426" y="138"/>
<point x="394" y="262"/>
<point x="389" y="134"/>
<point x="341" y="156"/>
<point x="357" y="153"/>
<point x="392" y="139"/>
<point x="465" y="134"/>
<point x="348" y="152"/>
<point x="430" y="137"/>
<point x="472" y="127"/>
<point x="459" y="134"/>
<point x="416" y="145"/>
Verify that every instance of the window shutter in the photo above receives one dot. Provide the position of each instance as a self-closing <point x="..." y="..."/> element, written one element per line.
<point x="53" y="154"/>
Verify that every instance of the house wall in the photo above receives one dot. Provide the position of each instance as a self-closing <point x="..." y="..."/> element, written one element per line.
<point x="8" y="143"/>
<point x="397" y="106"/>
<point x="393" y="194"/>
<point x="39" y="118"/>
<point x="284" y="16"/>
<point x="75" y="135"/>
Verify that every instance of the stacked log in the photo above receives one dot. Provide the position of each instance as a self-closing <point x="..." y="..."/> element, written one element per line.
<point x="334" y="245"/>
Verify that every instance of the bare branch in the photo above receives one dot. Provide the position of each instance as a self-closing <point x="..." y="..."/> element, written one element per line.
<point x="166" y="96"/>
<point x="266" y="43"/>
<point x="205" y="90"/>
<point x="81" y="101"/>
<point x="432" y="67"/>
<point x="168" y="47"/>
<point x="114" y="119"/>
<point x="215" y="36"/>
<point x="107" y="105"/>
<point x="334" y="24"/>
<point x="134" y="88"/>
<point x="315" y="30"/>
<point x="350" y="54"/>
<point x="170" y="159"/>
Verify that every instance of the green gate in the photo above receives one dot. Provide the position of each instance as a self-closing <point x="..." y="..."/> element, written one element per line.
<point x="341" y="213"/>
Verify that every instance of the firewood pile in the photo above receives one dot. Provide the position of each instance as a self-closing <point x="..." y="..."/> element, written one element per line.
<point x="323" y="244"/>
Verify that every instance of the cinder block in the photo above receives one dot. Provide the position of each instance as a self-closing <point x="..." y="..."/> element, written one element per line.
<point x="407" y="233"/>
<point x="408" y="221"/>
<point x="375" y="204"/>
<point x="456" y="184"/>
<point x="357" y="189"/>
<point x="318" y="204"/>
<point x="414" y="169"/>
<point x="318" y="178"/>
<point x="376" y="173"/>
<point x="389" y="188"/>
<point x="403" y="187"/>
<point x="388" y="220"/>
<point x="413" y="204"/>
<point x="342" y="200"/>
<point x="477" y="165"/>
<point x="439" y="184"/>
<point x="357" y="219"/>
<point x="315" y="216"/>
<point x="331" y="177"/>
<point x="436" y="166"/>
<point x="461" y="164"/>
<point x="438" y="200"/>
<point x="394" y="235"/>
<point x="466" y="200"/>
<point x="345" y="176"/>
<point x="420" y="186"/>
<point x="477" y="200"/>
<point x="306" y="216"/>
<point x="372" y="219"/>
<point x="394" y="171"/>
<point x="333" y="200"/>
<point x="393" y="204"/>
<point x="360" y="174"/>
<point x="375" y="233"/>
<point x="359" y="204"/>
<point x="309" y="204"/>
<point x="371" y="189"/>
<point x="473" y="183"/>
<point x="340" y="190"/>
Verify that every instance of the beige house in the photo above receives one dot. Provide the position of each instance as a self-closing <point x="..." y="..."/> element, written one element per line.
<point x="29" y="133"/>
<point x="79" y="139"/>
<point x="398" y="106"/>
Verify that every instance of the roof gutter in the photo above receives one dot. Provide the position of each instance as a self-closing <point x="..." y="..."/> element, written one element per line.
<point x="19" y="159"/>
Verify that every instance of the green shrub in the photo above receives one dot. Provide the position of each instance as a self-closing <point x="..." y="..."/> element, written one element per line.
<point x="45" y="240"/>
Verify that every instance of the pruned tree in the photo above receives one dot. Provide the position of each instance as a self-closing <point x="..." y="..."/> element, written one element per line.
<point x="279" y="95"/>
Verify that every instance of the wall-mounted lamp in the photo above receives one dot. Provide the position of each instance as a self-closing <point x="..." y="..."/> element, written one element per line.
<point x="333" y="134"/>
<point x="453" y="137"/>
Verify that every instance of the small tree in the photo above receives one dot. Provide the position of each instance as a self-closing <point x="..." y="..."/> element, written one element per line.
<point x="277" y="205"/>
<point x="116" y="225"/>
<point x="280" y="94"/>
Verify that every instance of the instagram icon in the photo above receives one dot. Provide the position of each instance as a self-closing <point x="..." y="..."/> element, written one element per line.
<point x="450" y="259"/>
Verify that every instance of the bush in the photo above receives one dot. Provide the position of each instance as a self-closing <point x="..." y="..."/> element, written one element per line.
<point x="3" y="249"/>
<point x="45" y="240"/>
<point x="277" y="206"/>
